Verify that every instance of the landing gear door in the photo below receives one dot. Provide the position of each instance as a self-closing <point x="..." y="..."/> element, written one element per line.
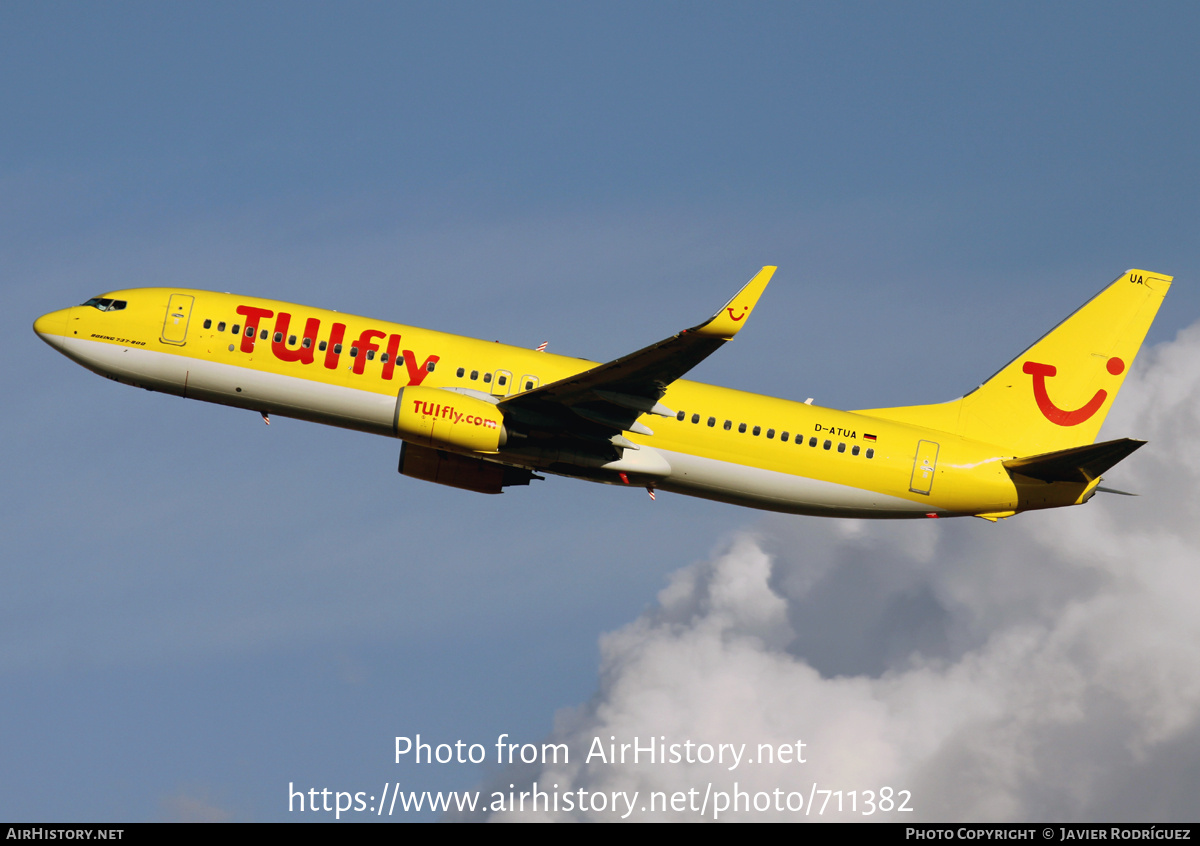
<point x="175" y="325"/>
<point x="924" y="466"/>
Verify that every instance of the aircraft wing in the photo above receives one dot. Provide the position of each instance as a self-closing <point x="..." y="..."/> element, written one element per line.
<point x="606" y="400"/>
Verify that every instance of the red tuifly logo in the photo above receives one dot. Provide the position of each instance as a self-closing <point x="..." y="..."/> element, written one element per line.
<point x="1061" y="416"/>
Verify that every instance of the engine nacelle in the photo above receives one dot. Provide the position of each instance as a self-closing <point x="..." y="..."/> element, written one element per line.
<point x="460" y="471"/>
<point x="433" y="417"/>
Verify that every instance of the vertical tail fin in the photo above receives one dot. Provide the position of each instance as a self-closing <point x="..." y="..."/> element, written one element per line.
<point x="1056" y="394"/>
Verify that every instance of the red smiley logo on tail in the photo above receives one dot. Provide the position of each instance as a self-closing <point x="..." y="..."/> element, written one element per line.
<point x="738" y="317"/>
<point x="1052" y="412"/>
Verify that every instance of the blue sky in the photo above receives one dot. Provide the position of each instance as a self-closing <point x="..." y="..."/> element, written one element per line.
<point x="198" y="610"/>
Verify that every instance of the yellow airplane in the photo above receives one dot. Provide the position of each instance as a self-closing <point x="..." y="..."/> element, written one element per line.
<point x="483" y="416"/>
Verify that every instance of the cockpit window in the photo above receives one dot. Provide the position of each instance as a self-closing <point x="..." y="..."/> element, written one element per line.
<point x="105" y="304"/>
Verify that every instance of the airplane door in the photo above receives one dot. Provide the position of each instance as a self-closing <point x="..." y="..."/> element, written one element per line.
<point x="501" y="383"/>
<point x="924" y="466"/>
<point x="175" y="325"/>
<point x="527" y="383"/>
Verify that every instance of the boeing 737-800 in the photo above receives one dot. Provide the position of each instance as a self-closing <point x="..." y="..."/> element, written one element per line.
<point x="484" y="416"/>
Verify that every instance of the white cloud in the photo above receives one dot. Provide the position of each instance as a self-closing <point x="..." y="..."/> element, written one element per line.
<point x="187" y="806"/>
<point x="1042" y="669"/>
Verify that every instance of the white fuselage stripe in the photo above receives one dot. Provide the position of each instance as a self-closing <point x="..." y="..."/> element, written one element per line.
<point x="772" y="490"/>
<point x="242" y="387"/>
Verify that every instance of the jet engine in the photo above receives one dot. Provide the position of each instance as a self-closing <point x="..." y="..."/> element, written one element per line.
<point x="437" y="418"/>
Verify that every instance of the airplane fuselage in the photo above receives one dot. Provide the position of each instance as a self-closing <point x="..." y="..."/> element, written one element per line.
<point x="747" y="449"/>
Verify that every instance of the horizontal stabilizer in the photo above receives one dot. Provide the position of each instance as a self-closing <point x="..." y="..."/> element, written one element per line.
<point x="1102" y="489"/>
<point x="1077" y="464"/>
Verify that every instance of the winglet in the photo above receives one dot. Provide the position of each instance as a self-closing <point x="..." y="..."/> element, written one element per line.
<point x="732" y="316"/>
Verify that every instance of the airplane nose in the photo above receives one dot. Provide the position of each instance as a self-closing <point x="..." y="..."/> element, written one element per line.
<point x="52" y="327"/>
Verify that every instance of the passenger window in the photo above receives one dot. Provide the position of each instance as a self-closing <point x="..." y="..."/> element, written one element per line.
<point x="307" y="343"/>
<point x="854" y="449"/>
<point x="460" y="372"/>
<point x="249" y="331"/>
<point x="487" y="377"/>
<point x="429" y="367"/>
<point x="770" y="433"/>
<point x="841" y="447"/>
<point x="354" y="352"/>
<point x="321" y="346"/>
<point x="870" y="453"/>
<point x="783" y="436"/>
<point x="208" y="324"/>
<point x="680" y="415"/>
<point x="503" y="380"/>
<point x="262" y="336"/>
<point x="728" y="425"/>
<point x="812" y="442"/>
<point x="337" y="349"/>
<point x="757" y="430"/>
<point x="529" y="386"/>
<point x="742" y="428"/>
<point x="291" y="340"/>
<point x="474" y="375"/>
<point x="370" y="355"/>
<point x="237" y="328"/>
<point x="695" y="418"/>
<point x="118" y="305"/>
<point x="221" y="326"/>
<point x="712" y="421"/>
<point x="827" y="444"/>
<point x="279" y="337"/>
